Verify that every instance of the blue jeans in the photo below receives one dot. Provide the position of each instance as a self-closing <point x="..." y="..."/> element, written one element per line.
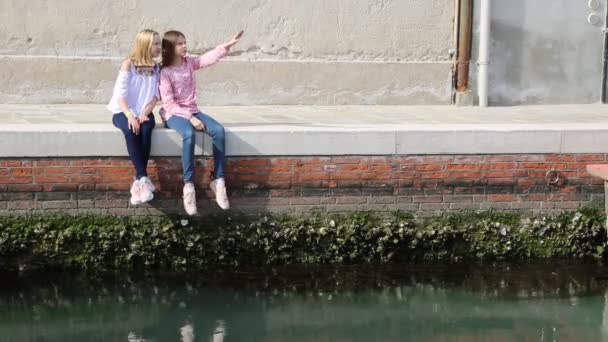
<point x="138" y="145"/>
<point x="187" y="131"/>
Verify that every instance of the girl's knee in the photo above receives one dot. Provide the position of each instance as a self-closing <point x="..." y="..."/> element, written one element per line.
<point x="217" y="131"/>
<point x="188" y="135"/>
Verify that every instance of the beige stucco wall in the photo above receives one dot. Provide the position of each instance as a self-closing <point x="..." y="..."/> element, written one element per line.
<point x="293" y="52"/>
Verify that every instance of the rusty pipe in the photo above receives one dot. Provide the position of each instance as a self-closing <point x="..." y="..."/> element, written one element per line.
<point x="463" y="59"/>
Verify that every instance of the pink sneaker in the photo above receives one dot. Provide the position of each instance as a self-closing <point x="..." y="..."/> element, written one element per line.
<point x="136" y="193"/>
<point x="190" y="199"/>
<point x="148" y="184"/>
<point x="221" y="197"/>
<point x="145" y="194"/>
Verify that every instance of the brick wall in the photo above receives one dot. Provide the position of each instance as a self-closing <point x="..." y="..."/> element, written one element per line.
<point x="298" y="184"/>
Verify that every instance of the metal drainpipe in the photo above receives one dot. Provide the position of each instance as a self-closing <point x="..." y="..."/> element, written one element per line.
<point x="484" y="52"/>
<point x="605" y="65"/>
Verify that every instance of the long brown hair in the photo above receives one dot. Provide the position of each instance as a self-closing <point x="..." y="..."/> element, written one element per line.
<point x="141" y="53"/>
<point x="168" y="45"/>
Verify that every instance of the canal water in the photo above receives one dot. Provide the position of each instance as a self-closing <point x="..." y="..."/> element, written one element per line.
<point x="551" y="301"/>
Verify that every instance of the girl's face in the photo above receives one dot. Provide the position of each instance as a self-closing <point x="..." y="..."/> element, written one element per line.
<point x="156" y="46"/>
<point x="180" y="47"/>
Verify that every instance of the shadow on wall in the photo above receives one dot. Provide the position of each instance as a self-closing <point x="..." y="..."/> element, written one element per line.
<point x="542" y="52"/>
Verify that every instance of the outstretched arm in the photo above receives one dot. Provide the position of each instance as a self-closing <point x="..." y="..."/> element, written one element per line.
<point x="216" y="54"/>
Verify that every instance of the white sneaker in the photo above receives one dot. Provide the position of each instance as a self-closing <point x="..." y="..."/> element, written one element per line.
<point x="135" y="193"/>
<point x="145" y="194"/>
<point x="190" y="199"/>
<point x="148" y="184"/>
<point x="221" y="197"/>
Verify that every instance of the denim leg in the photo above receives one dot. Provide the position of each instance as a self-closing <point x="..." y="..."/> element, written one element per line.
<point x="186" y="130"/>
<point x="216" y="131"/>
<point x="134" y="144"/>
<point x="146" y="136"/>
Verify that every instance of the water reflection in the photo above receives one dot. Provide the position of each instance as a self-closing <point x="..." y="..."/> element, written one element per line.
<point x="422" y="303"/>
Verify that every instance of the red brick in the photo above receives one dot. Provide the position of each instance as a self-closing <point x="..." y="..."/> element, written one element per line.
<point x="430" y="167"/>
<point x="308" y="168"/>
<point x="535" y="166"/>
<point x="471" y="174"/>
<point x="502" y="166"/>
<point x="20" y="171"/>
<point x="353" y="167"/>
<point x="502" y="181"/>
<point x="576" y="166"/>
<point x="51" y="179"/>
<point x="590" y="158"/>
<point x="118" y="178"/>
<point x="115" y="170"/>
<point x="4" y="172"/>
<point x="346" y="175"/>
<point x="280" y="168"/>
<point x="568" y="189"/>
<point x="376" y="175"/>
<point x="499" y="174"/>
<point x="16" y="179"/>
<point x="313" y="176"/>
<point x="10" y="163"/>
<point x="526" y="182"/>
<point x="404" y="175"/>
<point x="52" y="162"/>
<point x="380" y="167"/>
<point x="439" y="174"/>
<point x="463" y="167"/>
<point x="86" y="179"/>
<point x="281" y="176"/>
<point x="120" y="162"/>
<point x="285" y="161"/>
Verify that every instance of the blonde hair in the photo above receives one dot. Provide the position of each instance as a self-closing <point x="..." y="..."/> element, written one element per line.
<point x="141" y="53"/>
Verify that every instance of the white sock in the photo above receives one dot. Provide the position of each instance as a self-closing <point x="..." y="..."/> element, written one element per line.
<point x="220" y="182"/>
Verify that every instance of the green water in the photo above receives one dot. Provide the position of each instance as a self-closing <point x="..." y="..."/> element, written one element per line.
<point x="547" y="302"/>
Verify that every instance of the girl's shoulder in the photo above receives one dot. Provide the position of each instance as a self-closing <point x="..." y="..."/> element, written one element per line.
<point x="126" y="65"/>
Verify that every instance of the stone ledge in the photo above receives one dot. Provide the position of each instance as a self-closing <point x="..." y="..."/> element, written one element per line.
<point x="85" y="130"/>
